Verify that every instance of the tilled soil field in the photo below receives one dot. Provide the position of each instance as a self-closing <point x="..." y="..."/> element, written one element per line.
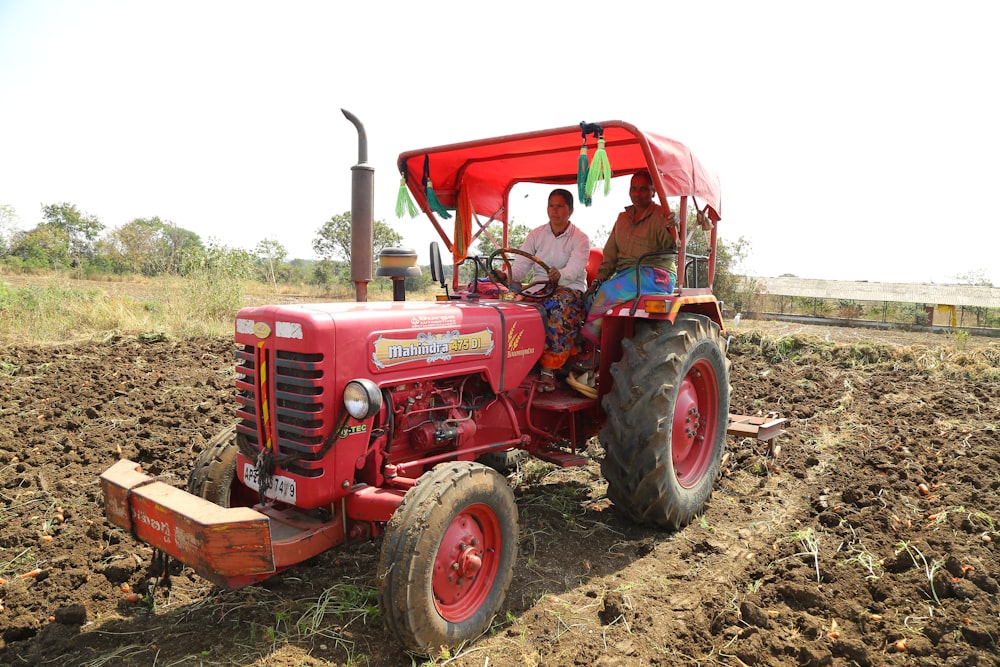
<point x="866" y="536"/>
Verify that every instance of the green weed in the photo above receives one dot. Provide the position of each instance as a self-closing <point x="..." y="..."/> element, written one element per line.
<point x="344" y="601"/>
<point x="961" y="339"/>
<point x="930" y="569"/>
<point x="866" y="559"/>
<point x="810" y="543"/>
<point x="984" y="517"/>
<point x="18" y="562"/>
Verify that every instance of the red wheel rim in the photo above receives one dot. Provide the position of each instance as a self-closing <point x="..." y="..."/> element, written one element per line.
<point x="695" y="422"/>
<point x="467" y="562"/>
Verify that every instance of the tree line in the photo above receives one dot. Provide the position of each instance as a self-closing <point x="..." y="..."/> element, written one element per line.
<point x="70" y="239"/>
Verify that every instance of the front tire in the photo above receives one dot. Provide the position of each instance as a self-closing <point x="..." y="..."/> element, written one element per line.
<point x="448" y="557"/>
<point x="213" y="476"/>
<point x="667" y="415"/>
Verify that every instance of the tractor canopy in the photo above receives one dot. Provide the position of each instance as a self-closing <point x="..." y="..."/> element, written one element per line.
<point x="474" y="178"/>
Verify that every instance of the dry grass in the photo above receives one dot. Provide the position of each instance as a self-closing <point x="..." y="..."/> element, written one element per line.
<point x="938" y="356"/>
<point x="54" y="308"/>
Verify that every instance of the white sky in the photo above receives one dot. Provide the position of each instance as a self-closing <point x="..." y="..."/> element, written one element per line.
<point x="855" y="140"/>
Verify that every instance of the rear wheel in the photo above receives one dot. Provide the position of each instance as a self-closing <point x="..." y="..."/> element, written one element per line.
<point x="213" y="476"/>
<point x="448" y="556"/>
<point x="667" y="415"/>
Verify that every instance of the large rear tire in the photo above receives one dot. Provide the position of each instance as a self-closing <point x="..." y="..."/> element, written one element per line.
<point x="213" y="476"/>
<point x="667" y="415"/>
<point x="448" y="557"/>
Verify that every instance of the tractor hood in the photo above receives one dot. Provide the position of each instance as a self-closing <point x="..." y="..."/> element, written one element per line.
<point x="393" y="342"/>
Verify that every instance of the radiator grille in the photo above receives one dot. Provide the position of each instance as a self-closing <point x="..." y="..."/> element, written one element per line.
<point x="298" y="401"/>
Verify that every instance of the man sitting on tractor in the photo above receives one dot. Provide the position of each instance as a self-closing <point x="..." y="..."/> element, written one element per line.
<point x="641" y="228"/>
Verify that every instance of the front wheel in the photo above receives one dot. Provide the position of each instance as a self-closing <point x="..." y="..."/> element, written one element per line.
<point x="448" y="556"/>
<point x="667" y="415"/>
<point x="213" y="476"/>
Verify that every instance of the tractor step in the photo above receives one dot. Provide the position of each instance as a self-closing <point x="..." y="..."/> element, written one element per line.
<point x="765" y="428"/>
<point x="561" y="457"/>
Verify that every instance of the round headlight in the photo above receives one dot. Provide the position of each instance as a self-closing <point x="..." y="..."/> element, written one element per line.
<point x="362" y="399"/>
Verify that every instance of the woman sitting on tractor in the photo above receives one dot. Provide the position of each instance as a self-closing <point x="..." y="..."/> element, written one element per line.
<point x="564" y="248"/>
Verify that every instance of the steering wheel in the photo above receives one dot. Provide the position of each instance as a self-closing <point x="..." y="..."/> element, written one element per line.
<point x="549" y="288"/>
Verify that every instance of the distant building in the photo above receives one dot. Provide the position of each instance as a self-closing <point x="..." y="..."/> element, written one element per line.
<point x="944" y="305"/>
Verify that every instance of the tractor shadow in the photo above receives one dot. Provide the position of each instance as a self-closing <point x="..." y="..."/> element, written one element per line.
<point x="570" y="532"/>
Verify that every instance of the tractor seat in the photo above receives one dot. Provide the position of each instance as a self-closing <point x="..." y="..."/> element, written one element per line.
<point x="593" y="263"/>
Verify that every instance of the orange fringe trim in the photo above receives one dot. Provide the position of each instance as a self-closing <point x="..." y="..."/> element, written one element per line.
<point x="555" y="360"/>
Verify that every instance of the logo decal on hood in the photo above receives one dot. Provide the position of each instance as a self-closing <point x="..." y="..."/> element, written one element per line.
<point x="431" y="347"/>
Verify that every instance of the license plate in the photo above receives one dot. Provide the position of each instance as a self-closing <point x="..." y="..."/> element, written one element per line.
<point x="280" y="488"/>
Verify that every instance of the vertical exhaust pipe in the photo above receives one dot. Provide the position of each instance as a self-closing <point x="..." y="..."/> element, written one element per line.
<point x="362" y="215"/>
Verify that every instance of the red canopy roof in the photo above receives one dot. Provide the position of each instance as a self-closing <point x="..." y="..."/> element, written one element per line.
<point x="489" y="168"/>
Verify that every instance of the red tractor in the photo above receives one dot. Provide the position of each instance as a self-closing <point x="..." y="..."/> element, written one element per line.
<point x="363" y="420"/>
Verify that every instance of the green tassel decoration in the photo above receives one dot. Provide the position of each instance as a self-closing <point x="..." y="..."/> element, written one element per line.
<point x="404" y="203"/>
<point x="435" y="203"/>
<point x="582" y="175"/>
<point x="432" y="199"/>
<point x="600" y="170"/>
